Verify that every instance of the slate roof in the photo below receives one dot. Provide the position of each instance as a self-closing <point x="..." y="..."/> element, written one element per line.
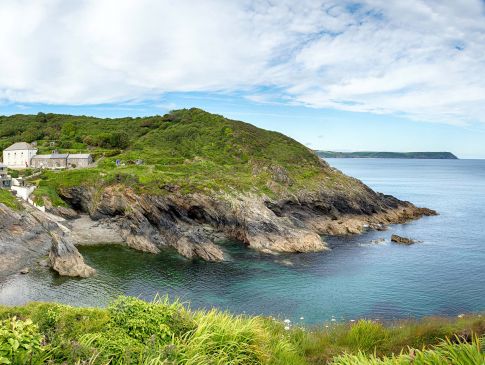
<point x="63" y="155"/>
<point x="20" y="146"/>
<point x="80" y="155"/>
<point x="53" y="156"/>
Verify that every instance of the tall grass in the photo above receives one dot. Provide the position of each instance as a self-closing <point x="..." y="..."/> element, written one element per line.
<point x="457" y="352"/>
<point x="131" y="331"/>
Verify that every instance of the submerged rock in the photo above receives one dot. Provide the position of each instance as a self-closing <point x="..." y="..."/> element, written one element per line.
<point x="402" y="240"/>
<point x="378" y="240"/>
<point x="44" y="263"/>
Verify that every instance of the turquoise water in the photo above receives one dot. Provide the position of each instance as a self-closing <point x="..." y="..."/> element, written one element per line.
<point x="444" y="274"/>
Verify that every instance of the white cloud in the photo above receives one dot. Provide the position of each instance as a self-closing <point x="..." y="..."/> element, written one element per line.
<point x="425" y="59"/>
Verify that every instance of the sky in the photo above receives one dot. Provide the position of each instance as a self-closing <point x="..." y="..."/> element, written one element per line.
<point x="335" y="75"/>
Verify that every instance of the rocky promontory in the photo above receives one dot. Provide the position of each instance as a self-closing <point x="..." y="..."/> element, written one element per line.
<point x="185" y="181"/>
<point x="192" y="223"/>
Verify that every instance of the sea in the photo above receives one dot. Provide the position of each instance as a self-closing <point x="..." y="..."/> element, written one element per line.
<point x="361" y="276"/>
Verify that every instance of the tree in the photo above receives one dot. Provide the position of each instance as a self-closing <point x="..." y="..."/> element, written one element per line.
<point x="68" y="130"/>
<point x="41" y="118"/>
<point x="119" y="140"/>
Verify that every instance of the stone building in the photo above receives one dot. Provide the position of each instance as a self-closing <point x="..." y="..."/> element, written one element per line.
<point x="61" y="161"/>
<point x="52" y="161"/>
<point x="19" y="155"/>
<point x="79" y="160"/>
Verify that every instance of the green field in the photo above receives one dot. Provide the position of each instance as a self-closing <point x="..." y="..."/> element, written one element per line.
<point x="131" y="331"/>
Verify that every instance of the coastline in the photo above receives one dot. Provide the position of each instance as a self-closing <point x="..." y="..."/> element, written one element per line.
<point x="85" y="231"/>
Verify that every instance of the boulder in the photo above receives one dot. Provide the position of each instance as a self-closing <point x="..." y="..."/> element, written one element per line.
<point x="402" y="240"/>
<point x="66" y="259"/>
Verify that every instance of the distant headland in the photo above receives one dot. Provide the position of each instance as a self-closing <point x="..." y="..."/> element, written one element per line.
<point x="408" y="155"/>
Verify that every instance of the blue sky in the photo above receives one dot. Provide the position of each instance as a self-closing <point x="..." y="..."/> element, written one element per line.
<point x="335" y="75"/>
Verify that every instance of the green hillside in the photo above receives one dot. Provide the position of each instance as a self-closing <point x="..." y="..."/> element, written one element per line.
<point x="188" y="149"/>
<point x="405" y="155"/>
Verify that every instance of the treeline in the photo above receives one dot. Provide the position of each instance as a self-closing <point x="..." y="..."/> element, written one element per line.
<point x="70" y="131"/>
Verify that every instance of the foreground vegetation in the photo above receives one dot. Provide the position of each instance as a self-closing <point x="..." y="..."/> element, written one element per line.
<point x="188" y="150"/>
<point x="131" y="331"/>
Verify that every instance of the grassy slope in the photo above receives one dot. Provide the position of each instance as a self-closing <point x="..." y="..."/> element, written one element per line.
<point x="7" y="198"/>
<point x="131" y="331"/>
<point x="192" y="149"/>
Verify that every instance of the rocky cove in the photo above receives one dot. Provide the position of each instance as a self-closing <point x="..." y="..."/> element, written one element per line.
<point x="191" y="224"/>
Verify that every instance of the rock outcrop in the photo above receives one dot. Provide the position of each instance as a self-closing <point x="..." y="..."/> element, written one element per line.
<point x="22" y="240"/>
<point x="402" y="240"/>
<point x="190" y="222"/>
<point x="28" y="235"/>
<point x="66" y="259"/>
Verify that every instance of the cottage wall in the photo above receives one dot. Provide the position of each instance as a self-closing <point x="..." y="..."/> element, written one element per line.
<point x="49" y="162"/>
<point x="18" y="158"/>
<point x="79" y="161"/>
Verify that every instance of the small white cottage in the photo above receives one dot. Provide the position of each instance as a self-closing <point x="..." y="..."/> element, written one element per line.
<point x="19" y="155"/>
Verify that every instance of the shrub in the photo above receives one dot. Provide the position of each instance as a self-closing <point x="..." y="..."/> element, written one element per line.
<point x="20" y="341"/>
<point x="13" y="173"/>
<point x="158" y="321"/>
<point x="365" y="335"/>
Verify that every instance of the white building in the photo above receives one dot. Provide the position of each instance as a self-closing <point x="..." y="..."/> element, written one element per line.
<point x="19" y="155"/>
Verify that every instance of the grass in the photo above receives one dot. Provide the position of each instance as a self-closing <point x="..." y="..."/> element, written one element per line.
<point x="456" y="351"/>
<point x="131" y="331"/>
<point x="7" y="198"/>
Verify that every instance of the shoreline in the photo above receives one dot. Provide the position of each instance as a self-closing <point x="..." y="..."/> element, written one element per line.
<point x="85" y="231"/>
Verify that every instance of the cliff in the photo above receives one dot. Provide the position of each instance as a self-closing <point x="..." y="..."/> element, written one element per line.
<point x="27" y="236"/>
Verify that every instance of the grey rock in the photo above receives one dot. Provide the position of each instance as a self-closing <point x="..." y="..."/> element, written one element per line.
<point x="66" y="259"/>
<point x="402" y="240"/>
<point x="44" y="263"/>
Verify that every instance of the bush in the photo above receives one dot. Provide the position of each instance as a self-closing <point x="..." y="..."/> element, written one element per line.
<point x="365" y="336"/>
<point x="20" y="341"/>
<point x="13" y="173"/>
<point x="158" y="321"/>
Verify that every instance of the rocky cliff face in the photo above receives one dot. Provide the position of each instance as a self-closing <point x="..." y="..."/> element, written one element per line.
<point x="22" y="239"/>
<point x="191" y="222"/>
<point x="28" y="235"/>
